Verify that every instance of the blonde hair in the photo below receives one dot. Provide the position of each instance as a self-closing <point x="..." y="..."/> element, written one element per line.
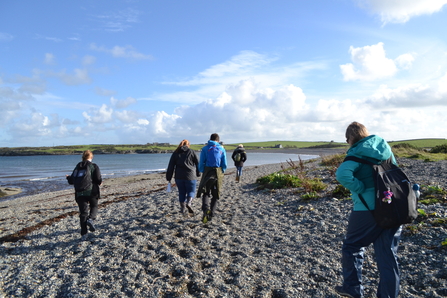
<point x="355" y="132"/>
<point x="182" y="143"/>
<point x="87" y="155"/>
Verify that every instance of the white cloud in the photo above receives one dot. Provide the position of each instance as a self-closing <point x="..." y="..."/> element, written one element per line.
<point x="5" y="37"/>
<point x="101" y="115"/>
<point x="247" y="65"/>
<point x="121" y="52"/>
<point x="118" y="21"/>
<point x="370" y="63"/>
<point x="400" y="11"/>
<point x="405" y="61"/>
<point x="104" y="92"/>
<point x="49" y="59"/>
<point x="79" y="77"/>
<point x="88" y="60"/>
<point x="415" y="95"/>
<point x="124" y="103"/>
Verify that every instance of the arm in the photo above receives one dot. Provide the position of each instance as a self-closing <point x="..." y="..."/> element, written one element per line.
<point x="170" y="169"/>
<point x="96" y="177"/>
<point x="202" y="161"/>
<point x="345" y="175"/>
<point x="195" y="160"/>
<point x="223" y="160"/>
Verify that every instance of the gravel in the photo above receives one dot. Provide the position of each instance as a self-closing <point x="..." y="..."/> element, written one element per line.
<point x="262" y="243"/>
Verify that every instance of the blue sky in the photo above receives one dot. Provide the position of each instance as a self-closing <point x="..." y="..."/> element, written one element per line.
<point x="136" y="72"/>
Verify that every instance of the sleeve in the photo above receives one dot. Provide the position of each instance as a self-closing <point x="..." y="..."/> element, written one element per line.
<point x="233" y="155"/>
<point x="70" y="178"/>
<point x="195" y="160"/>
<point x="202" y="160"/>
<point x="170" y="169"/>
<point x="244" y="156"/>
<point x="96" y="177"/>
<point x="345" y="175"/>
<point x="223" y="160"/>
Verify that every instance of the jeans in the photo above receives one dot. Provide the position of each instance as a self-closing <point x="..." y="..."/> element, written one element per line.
<point x="239" y="171"/>
<point x="362" y="231"/>
<point x="84" y="203"/>
<point x="186" y="188"/>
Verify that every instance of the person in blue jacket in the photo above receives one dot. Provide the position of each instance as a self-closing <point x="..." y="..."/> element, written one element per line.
<point x="362" y="229"/>
<point x="212" y="163"/>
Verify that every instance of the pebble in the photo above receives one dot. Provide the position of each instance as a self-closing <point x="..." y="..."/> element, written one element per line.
<point x="260" y="244"/>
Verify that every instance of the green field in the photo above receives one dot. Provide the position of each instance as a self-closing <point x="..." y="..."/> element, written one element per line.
<point x="163" y="147"/>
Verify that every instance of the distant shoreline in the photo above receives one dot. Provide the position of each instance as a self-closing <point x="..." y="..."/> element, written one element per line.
<point x="307" y="151"/>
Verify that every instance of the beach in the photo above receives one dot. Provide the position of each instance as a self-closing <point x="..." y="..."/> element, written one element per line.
<point x="262" y="243"/>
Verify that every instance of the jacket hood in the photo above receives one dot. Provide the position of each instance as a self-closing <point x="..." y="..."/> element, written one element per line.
<point x="84" y="164"/>
<point x="371" y="147"/>
<point x="212" y="143"/>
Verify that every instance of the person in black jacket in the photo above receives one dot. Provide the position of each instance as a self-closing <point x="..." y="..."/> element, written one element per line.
<point x="239" y="157"/>
<point x="185" y="163"/>
<point x="88" y="194"/>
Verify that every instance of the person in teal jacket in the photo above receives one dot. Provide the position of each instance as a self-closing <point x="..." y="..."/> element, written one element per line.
<point x="213" y="163"/>
<point x="362" y="229"/>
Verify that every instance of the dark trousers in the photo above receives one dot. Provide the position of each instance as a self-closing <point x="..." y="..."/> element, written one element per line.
<point x="88" y="209"/>
<point x="362" y="231"/>
<point x="210" y="197"/>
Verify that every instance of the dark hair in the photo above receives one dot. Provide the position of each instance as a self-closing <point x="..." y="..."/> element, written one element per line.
<point x="215" y="137"/>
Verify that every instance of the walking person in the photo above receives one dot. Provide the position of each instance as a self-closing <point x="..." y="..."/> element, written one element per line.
<point x="184" y="163"/>
<point x="213" y="163"/>
<point x="239" y="157"/>
<point x="86" y="178"/>
<point x="362" y="229"/>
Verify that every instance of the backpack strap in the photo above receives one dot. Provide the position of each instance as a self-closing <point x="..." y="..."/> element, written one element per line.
<point x="358" y="159"/>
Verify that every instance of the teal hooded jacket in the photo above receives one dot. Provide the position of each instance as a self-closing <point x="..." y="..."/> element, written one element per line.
<point x="358" y="177"/>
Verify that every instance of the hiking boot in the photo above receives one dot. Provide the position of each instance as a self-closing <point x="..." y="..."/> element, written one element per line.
<point x="84" y="237"/>
<point x="340" y="291"/>
<point x="183" y="209"/>
<point x="90" y="225"/>
<point x="206" y="216"/>
<point x="191" y="212"/>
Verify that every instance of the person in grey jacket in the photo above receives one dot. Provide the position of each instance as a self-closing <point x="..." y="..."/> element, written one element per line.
<point x="362" y="229"/>
<point x="184" y="163"/>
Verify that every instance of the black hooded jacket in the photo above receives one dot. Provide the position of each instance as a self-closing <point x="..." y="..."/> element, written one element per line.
<point x="185" y="164"/>
<point x="243" y="157"/>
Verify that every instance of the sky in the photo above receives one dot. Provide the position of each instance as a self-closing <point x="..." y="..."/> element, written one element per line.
<point x="144" y="71"/>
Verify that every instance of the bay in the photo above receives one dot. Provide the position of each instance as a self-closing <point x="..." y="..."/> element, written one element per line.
<point x="46" y="173"/>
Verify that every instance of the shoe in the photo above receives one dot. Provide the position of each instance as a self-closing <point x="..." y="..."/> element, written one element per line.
<point x="341" y="292"/>
<point x="191" y="212"/>
<point x="90" y="225"/>
<point x="206" y="216"/>
<point x="84" y="237"/>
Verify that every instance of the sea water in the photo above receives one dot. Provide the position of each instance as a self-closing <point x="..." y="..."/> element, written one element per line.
<point x="45" y="173"/>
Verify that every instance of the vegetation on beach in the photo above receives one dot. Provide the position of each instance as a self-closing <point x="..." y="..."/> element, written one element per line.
<point x="293" y="175"/>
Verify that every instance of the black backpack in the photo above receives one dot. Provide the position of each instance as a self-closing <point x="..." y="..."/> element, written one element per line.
<point x="82" y="177"/>
<point x="396" y="202"/>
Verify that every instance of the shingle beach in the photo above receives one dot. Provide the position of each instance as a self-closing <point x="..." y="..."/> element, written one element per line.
<point x="261" y="243"/>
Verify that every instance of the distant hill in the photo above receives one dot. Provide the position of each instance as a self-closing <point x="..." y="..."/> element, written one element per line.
<point x="168" y="148"/>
